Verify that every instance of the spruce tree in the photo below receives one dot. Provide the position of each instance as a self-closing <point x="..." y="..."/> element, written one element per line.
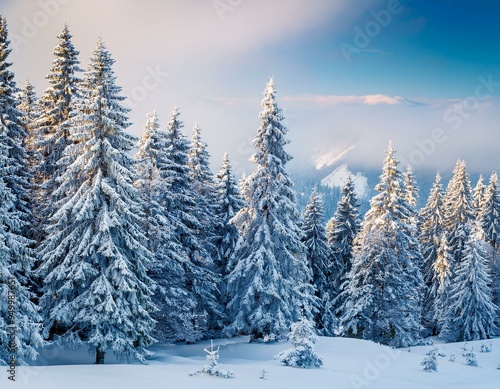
<point x="303" y="353"/>
<point x="19" y="317"/>
<point x="319" y="257"/>
<point x="479" y="195"/>
<point x="269" y="286"/>
<point x="94" y="257"/>
<point x="30" y="110"/>
<point x="180" y="202"/>
<point x="489" y="213"/>
<point x="489" y="220"/>
<point x="383" y="293"/>
<point x="341" y="231"/>
<point x="57" y="108"/>
<point x="431" y="228"/>
<point x="203" y="182"/>
<point x="175" y="304"/>
<point x="458" y="210"/>
<point x="437" y="298"/>
<point x="410" y="187"/>
<point x="430" y="231"/>
<point x="18" y="177"/>
<point x="471" y="314"/>
<point x="229" y="202"/>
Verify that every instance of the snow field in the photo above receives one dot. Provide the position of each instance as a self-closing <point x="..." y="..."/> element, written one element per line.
<point x="348" y="364"/>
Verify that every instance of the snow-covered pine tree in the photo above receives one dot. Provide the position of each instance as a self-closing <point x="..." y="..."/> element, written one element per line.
<point x="303" y="353"/>
<point x="341" y="230"/>
<point x="489" y="219"/>
<point x="242" y="218"/>
<point x="489" y="213"/>
<point x="19" y="317"/>
<point x="203" y="182"/>
<point x="471" y="313"/>
<point x="384" y="287"/>
<point x="430" y="363"/>
<point x="458" y="210"/>
<point x="479" y="195"/>
<point x="229" y="202"/>
<point x="180" y="205"/>
<point x="437" y="298"/>
<point x="175" y="304"/>
<point x="469" y="355"/>
<point x="214" y="368"/>
<point x="57" y="108"/>
<point x="410" y="188"/>
<point x="94" y="257"/>
<point x="319" y="258"/>
<point x="270" y="284"/>
<point x="30" y="110"/>
<point x="410" y="194"/>
<point x="431" y="228"/>
<point x="15" y="137"/>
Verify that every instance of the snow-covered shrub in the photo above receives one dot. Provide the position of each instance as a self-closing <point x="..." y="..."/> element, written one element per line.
<point x="430" y="361"/>
<point x="302" y="354"/>
<point x="469" y="355"/>
<point x="486" y="348"/>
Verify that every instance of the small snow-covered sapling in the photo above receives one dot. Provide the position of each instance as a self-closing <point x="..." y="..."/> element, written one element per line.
<point x="469" y="355"/>
<point x="213" y="368"/>
<point x="430" y="361"/>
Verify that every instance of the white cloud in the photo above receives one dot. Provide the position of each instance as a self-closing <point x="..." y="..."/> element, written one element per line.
<point x="339" y="99"/>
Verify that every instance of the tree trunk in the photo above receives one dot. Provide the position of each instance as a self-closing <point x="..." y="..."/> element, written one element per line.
<point x="99" y="357"/>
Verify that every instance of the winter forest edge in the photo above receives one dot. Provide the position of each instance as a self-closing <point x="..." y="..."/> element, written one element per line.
<point x="121" y="252"/>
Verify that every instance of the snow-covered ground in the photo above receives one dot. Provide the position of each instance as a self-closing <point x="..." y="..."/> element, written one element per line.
<point x="348" y="363"/>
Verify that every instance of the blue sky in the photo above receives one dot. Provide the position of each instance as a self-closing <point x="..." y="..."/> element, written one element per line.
<point x="350" y="74"/>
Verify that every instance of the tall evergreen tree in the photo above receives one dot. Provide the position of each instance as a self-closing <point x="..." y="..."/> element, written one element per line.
<point x="479" y="195"/>
<point x="471" y="314"/>
<point x="437" y="298"/>
<point x="341" y="231"/>
<point x="269" y="286"/>
<point x="203" y="182"/>
<point x="229" y="202"/>
<point x="180" y="202"/>
<point x="58" y="107"/>
<point x="94" y="257"/>
<point x="19" y="317"/>
<point x="319" y="257"/>
<point x="30" y="110"/>
<point x="383" y="294"/>
<point x="431" y="228"/>
<point x="489" y="220"/>
<point x="15" y="137"/>
<point x="175" y="304"/>
<point x="489" y="213"/>
<point x="410" y="187"/>
<point x="458" y="210"/>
